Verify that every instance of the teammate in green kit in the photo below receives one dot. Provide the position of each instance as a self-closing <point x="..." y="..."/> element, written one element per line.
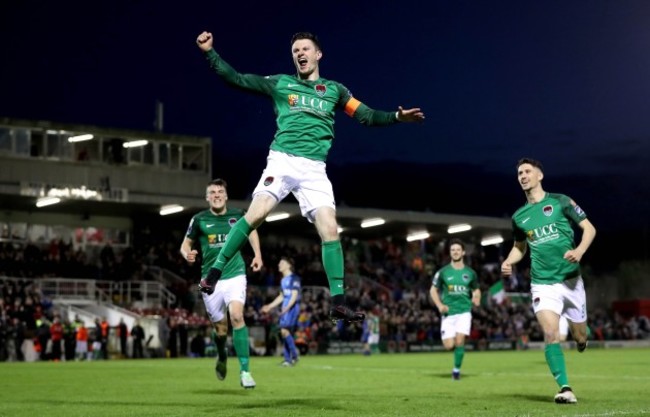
<point x="304" y="104"/>
<point x="544" y="224"/>
<point x="459" y="286"/>
<point x="209" y="228"/>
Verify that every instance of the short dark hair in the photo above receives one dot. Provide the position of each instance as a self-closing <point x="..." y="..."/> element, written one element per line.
<point x="306" y="35"/>
<point x="218" y="181"/>
<point x="456" y="241"/>
<point x="530" y="161"/>
<point x="289" y="261"/>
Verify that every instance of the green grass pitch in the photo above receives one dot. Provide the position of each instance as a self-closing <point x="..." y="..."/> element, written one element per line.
<point x="607" y="383"/>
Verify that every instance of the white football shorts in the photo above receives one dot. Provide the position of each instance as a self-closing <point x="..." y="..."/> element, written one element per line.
<point x="565" y="298"/>
<point x="226" y="291"/>
<point x="457" y="323"/>
<point x="305" y="178"/>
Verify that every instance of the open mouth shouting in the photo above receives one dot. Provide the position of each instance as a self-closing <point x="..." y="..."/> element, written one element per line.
<point x="303" y="64"/>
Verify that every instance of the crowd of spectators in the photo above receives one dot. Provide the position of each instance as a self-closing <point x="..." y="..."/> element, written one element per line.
<point x="412" y="319"/>
<point x="392" y="277"/>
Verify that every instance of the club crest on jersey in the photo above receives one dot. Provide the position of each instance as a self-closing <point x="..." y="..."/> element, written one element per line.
<point x="320" y="89"/>
<point x="465" y="277"/>
<point x="232" y="221"/>
<point x="268" y="181"/>
<point x="547" y="210"/>
<point x="536" y="301"/>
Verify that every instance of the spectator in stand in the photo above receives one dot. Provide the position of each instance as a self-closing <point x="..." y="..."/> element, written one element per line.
<point x="104" y="331"/>
<point x="172" y="341"/>
<point x="56" y="337"/>
<point x="69" y="339"/>
<point x="197" y="344"/>
<point x="6" y="345"/>
<point x="182" y="337"/>
<point x="123" y="333"/>
<point x="137" y="333"/>
<point x="81" y="348"/>
<point x="43" y="337"/>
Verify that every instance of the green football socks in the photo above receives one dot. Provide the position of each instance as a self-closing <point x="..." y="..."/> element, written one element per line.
<point x="555" y="360"/>
<point x="459" y="353"/>
<point x="240" y="341"/>
<point x="236" y="239"/>
<point x="333" y="264"/>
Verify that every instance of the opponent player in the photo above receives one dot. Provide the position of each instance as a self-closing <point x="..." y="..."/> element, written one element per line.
<point x="289" y="297"/>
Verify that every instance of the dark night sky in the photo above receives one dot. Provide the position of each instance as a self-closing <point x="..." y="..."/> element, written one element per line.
<point x="565" y="82"/>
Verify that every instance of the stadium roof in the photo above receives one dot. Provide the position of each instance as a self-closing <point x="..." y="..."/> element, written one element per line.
<point x="398" y="224"/>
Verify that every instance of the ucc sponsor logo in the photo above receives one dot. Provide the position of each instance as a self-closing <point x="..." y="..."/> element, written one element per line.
<point x="310" y="103"/>
<point x="543" y="234"/>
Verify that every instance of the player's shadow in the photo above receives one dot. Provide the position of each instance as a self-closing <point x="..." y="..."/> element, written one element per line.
<point x="295" y="404"/>
<point x="447" y="375"/>
<point x="227" y="391"/>
<point x="528" y="397"/>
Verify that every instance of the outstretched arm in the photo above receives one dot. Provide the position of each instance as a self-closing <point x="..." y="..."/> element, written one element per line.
<point x="409" y="115"/>
<point x="371" y="117"/>
<point x="251" y="82"/>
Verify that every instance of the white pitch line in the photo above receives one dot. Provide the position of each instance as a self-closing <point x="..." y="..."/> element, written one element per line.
<point x="571" y="375"/>
<point x="490" y="374"/>
<point x="615" y="413"/>
<point x="604" y="414"/>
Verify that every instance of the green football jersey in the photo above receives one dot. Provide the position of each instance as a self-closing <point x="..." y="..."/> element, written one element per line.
<point x="547" y="227"/>
<point x="304" y="109"/>
<point x="210" y="230"/>
<point x="456" y="286"/>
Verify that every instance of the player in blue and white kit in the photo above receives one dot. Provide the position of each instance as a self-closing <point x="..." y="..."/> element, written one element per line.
<point x="289" y="297"/>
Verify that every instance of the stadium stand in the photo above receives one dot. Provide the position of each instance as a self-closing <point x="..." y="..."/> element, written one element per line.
<point x="101" y="252"/>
